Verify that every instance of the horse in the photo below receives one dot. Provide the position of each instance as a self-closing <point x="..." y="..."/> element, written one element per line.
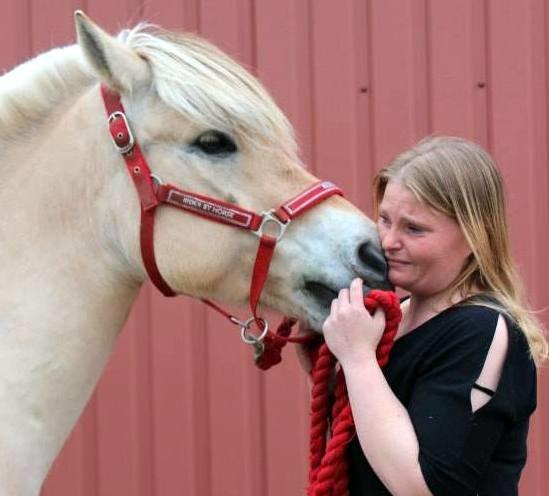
<point x="71" y="234"/>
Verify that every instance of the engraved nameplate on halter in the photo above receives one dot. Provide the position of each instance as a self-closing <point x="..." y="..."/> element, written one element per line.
<point x="209" y="209"/>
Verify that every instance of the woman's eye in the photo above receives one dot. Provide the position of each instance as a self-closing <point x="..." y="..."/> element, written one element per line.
<point x="414" y="229"/>
<point x="383" y="220"/>
<point x="215" y="143"/>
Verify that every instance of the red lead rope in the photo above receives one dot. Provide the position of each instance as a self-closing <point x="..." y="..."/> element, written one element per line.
<point x="328" y="463"/>
<point x="328" y="466"/>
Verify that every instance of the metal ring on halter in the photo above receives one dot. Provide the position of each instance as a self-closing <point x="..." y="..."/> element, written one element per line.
<point x="157" y="179"/>
<point x="249" y="338"/>
<point x="272" y="218"/>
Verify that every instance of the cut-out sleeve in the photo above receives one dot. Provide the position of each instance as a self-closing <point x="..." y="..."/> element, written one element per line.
<point x="458" y="448"/>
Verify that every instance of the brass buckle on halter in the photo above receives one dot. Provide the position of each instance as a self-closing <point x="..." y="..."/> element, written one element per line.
<point x="272" y="218"/>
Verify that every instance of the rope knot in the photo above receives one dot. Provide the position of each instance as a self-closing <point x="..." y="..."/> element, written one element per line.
<point x="273" y="344"/>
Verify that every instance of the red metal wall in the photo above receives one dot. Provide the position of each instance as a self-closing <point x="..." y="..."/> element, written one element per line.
<point x="180" y="409"/>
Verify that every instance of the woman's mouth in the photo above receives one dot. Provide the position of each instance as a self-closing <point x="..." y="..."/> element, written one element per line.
<point x="397" y="263"/>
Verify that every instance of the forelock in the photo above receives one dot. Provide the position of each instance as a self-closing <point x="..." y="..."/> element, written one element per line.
<point x="207" y="86"/>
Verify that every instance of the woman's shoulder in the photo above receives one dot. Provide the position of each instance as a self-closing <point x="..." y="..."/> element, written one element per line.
<point x="466" y="319"/>
<point x="471" y="327"/>
<point x="466" y="328"/>
<point x="477" y="313"/>
<point x="480" y="315"/>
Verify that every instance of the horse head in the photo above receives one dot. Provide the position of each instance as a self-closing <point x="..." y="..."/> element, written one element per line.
<point x="207" y="125"/>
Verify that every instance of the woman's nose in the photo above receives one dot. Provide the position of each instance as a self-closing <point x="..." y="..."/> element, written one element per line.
<point x="390" y="240"/>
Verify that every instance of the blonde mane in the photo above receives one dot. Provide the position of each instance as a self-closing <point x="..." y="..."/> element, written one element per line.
<point x="190" y="75"/>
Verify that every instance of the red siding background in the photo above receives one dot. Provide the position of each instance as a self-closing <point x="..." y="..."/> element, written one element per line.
<point x="181" y="410"/>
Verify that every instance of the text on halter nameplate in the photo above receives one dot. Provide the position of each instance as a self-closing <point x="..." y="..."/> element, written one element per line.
<point x="209" y="209"/>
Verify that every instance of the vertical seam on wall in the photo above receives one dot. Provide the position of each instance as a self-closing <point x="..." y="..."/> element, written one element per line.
<point x="253" y="36"/>
<point x="30" y="44"/>
<point x="428" y="110"/>
<point x="207" y="426"/>
<point x="198" y="11"/>
<point x="546" y="50"/>
<point x="361" y="96"/>
<point x="312" y="93"/>
<point x="479" y="57"/>
<point x="370" y="71"/>
<point x="487" y="71"/>
<point x="91" y="442"/>
<point x="150" y="457"/>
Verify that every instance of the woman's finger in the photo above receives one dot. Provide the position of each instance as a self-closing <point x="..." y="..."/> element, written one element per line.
<point x="355" y="293"/>
<point x="333" y="306"/>
<point x="379" y="317"/>
<point x="343" y="299"/>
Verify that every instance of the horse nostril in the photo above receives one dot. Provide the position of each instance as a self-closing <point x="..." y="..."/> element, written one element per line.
<point x="372" y="257"/>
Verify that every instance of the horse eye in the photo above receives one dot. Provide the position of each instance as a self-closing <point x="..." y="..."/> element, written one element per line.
<point x="215" y="143"/>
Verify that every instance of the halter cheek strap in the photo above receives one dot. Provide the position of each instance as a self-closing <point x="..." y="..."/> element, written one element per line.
<point x="152" y="193"/>
<point x="140" y="173"/>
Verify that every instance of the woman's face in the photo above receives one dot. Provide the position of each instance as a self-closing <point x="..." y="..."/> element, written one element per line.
<point x="425" y="249"/>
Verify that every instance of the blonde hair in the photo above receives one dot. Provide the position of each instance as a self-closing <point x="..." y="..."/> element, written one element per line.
<point x="460" y="179"/>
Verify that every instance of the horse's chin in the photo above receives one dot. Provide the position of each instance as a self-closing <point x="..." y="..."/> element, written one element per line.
<point x="320" y="295"/>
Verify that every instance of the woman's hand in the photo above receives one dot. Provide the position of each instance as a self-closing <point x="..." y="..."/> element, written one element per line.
<point x="351" y="333"/>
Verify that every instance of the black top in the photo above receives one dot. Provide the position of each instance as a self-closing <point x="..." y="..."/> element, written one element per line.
<point x="431" y="371"/>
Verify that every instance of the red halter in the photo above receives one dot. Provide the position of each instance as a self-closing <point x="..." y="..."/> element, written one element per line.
<point x="152" y="193"/>
<point x="327" y="461"/>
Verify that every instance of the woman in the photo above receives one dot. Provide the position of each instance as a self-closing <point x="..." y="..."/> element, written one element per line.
<point x="449" y="414"/>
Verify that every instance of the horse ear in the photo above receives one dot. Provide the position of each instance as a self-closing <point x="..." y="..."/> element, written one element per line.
<point x="115" y="64"/>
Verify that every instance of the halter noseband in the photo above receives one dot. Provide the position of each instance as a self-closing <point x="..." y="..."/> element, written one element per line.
<point x="152" y="193"/>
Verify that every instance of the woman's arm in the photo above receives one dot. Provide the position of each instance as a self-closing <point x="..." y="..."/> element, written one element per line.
<point x="384" y="429"/>
<point x="383" y="425"/>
